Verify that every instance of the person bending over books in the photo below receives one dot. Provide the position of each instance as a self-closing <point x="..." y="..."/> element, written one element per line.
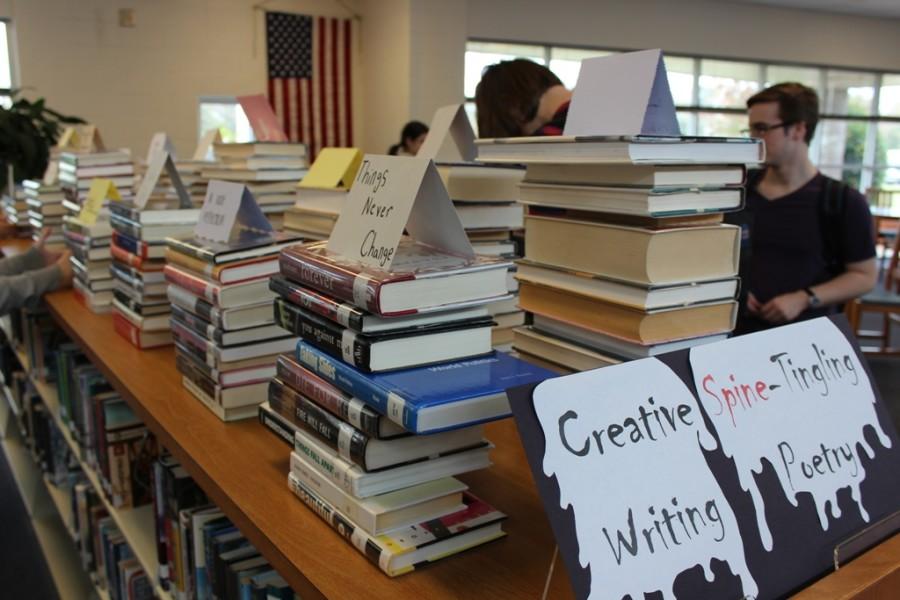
<point x="520" y="97"/>
<point x="24" y="278"/>
<point x="411" y="139"/>
<point x="807" y="243"/>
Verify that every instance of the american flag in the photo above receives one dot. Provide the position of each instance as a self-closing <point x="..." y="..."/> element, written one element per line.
<point x="309" y="78"/>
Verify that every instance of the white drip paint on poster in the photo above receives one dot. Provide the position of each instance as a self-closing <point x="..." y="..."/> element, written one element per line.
<point x="798" y="398"/>
<point x="625" y="443"/>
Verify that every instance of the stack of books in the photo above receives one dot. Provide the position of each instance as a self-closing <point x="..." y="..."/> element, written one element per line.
<point x="191" y="173"/>
<point x="270" y="170"/>
<point x="45" y="209"/>
<point x="384" y="397"/>
<point x="486" y="200"/>
<point x="15" y="209"/>
<point x="626" y="255"/>
<point x="222" y="321"/>
<point x="77" y="170"/>
<point x="141" y="309"/>
<point x="91" y="260"/>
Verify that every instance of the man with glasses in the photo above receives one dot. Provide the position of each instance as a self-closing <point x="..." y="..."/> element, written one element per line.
<point x="807" y="239"/>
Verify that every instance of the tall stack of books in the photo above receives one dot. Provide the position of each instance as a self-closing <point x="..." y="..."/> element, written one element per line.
<point x="384" y="398"/>
<point x="77" y="170"/>
<point x="270" y="170"/>
<point x="91" y="259"/>
<point x="45" y="209"/>
<point x="626" y="255"/>
<point x="486" y="200"/>
<point x="15" y="209"/>
<point x="222" y="321"/>
<point x="141" y="309"/>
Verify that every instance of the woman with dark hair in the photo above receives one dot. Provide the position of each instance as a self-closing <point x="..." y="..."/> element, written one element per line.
<point x="520" y="97"/>
<point x="411" y="139"/>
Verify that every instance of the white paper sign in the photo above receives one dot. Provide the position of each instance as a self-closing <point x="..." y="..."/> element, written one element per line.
<point x="203" y="151"/>
<point x="227" y="209"/>
<point x="797" y="397"/>
<point x="159" y="143"/>
<point x="51" y="174"/>
<point x="450" y="136"/>
<point x="623" y="94"/>
<point x="161" y="160"/>
<point x="390" y="194"/>
<point x="625" y="445"/>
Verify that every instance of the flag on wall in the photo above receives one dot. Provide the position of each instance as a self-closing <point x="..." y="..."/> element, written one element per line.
<point x="310" y="79"/>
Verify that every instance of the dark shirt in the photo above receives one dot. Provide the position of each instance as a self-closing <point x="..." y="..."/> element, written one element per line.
<point x="557" y="123"/>
<point x="783" y="249"/>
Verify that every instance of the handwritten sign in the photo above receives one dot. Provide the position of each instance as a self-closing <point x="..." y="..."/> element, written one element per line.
<point x="637" y="533"/>
<point x="334" y="168"/>
<point x="262" y="118"/>
<point x="87" y="139"/>
<point x="390" y="194"/>
<point x="624" y="94"/>
<point x="760" y="389"/>
<point x="450" y="136"/>
<point x="203" y="151"/>
<point x="100" y="190"/>
<point x="161" y="160"/>
<point x="228" y="209"/>
<point x="159" y="144"/>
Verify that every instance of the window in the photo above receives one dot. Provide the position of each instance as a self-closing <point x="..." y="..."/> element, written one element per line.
<point x="858" y="136"/>
<point x="225" y="113"/>
<point x="6" y="71"/>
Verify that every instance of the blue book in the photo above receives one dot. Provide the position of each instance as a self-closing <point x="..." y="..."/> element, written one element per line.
<point x="431" y="398"/>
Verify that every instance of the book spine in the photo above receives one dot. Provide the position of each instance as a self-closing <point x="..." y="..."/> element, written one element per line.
<point x="124" y="256"/>
<point x="357" y="384"/>
<point x="281" y="427"/>
<point x="189" y="261"/>
<point x="191" y="250"/>
<point x="194" y="285"/>
<point x="127" y="329"/>
<point x="339" y="312"/>
<point x="349" y="443"/>
<point x="333" y="400"/>
<point x="193" y="322"/>
<point x="350" y="507"/>
<point x="330" y="337"/>
<point x="339" y="283"/>
<point x="353" y="534"/>
<point x="126" y="227"/>
<point x="187" y="368"/>
<point x="197" y="361"/>
<point x="195" y="305"/>
<point x="199" y="346"/>
<point x="341" y="472"/>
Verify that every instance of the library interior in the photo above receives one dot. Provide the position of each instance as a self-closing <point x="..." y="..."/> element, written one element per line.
<point x="449" y="299"/>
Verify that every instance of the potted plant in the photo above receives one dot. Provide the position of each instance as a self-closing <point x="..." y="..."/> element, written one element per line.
<point x="28" y="129"/>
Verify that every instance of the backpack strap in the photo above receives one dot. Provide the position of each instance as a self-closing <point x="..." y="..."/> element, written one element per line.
<point x="832" y="210"/>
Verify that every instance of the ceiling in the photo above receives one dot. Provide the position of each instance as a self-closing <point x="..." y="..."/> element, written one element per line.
<point x="863" y="8"/>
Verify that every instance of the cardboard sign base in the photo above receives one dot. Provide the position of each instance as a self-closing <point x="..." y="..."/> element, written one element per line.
<point x="875" y="574"/>
<point x="866" y="539"/>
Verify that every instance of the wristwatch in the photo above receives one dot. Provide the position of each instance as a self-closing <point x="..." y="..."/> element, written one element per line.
<point x="814" y="301"/>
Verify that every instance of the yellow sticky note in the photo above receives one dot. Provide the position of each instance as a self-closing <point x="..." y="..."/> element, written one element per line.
<point x="101" y="189"/>
<point x="334" y="168"/>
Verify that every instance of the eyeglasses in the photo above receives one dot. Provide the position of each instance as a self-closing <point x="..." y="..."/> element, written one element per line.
<point x="761" y="129"/>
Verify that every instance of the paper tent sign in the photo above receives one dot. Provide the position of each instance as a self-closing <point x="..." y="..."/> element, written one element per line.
<point x="100" y="191"/>
<point x="622" y="95"/>
<point x="160" y="161"/>
<point x="160" y="142"/>
<point x="229" y="210"/>
<point x="334" y="168"/>
<point x="390" y="194"/>
<point x="450" y="136"/>
<point x="263" y="119"/>
<point x="203" y="151"/>
<point x="728" y="470"/>
<point x="80" y="138"/>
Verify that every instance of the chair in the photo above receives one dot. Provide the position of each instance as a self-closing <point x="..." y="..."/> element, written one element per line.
<point x="884" y="300"/>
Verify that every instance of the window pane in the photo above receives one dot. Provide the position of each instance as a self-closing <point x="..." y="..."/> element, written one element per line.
<point x="483" y="54"/>
<point x="5" y="70"/>
<point x="887" y="155"/>
<point x="6" y="101"/>
<point x="566" y="63"/>
<point x="680" y="70"/>
<point x="727" y="84"/>
<point x="472" y="114"/>
<point x="720" y="124"/>
<point x="848" y="93"/>
<point x="889" y="100"/>
<point x="842" y="149"/>
<point x="228" y="117"/>
<point x="687" y="122"/>
<point x="808" y="76"/>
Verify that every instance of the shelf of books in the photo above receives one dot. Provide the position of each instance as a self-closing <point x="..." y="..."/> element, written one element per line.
<point x="242" y="467"/>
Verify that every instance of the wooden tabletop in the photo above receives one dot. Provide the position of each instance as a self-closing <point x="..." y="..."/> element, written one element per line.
<point x="243" y="468"/>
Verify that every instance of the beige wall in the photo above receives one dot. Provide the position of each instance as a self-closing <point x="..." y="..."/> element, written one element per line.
<point x="710" y="27"/>
<point x="409" y="61"/>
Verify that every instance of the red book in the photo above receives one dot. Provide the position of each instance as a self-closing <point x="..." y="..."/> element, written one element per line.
<point x="242" y="293"/>
<point x="133" y="260"/>
<point x="423" y="278"/>
<point x="141" y="339"/>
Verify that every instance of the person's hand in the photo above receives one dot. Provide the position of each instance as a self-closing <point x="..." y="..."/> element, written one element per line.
<point x="50" y="257"/>
<point x="65" y="269"/>
<point x="753" y="305"/>
<point x="785" y="307"/>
